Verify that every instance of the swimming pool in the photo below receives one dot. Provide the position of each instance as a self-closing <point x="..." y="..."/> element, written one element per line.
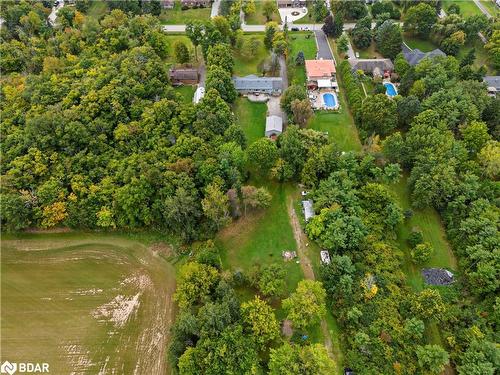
<point x="390" y="89"/>
<point x="330" y="100"/>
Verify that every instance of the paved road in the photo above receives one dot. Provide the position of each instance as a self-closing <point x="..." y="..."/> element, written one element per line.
<point x="324" y="51"/>
<point x="483" y="8"/>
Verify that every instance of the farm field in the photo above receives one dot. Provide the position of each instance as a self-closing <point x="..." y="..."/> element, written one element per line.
<point x="86" y="303"/>
<point x="251" y="117"/>
<point x="177" y="16"/>
<point x="258" y="17"/>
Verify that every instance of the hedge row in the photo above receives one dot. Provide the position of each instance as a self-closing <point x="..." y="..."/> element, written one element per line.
<point x="354" y="94"/>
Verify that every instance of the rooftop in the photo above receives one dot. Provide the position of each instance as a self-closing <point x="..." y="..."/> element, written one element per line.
<point x="274" y="124"/>
<point x="253" y="82"/>
<point x="320" y="68"/>
<point x="437" y="276"/>
<point x="415" y="56"/>
<point x="369" y="65"/>
<point x="493" y="82"/>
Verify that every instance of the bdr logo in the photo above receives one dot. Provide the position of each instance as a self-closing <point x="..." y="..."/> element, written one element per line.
<point x="23" y="368"/>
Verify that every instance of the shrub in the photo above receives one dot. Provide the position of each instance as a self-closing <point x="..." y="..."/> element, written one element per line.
<point x="422" y="253"/>
<point x="415" y="238"/>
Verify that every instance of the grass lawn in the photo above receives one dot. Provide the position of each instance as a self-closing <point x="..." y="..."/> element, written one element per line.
<point x="177" y="16"/>
<point x="305" y="42"/>
<point x="84" y="302"/>
<point x="187" y="92"/>
<point x="415" y="42"/>
<point x="340" y="127"/>
<point x="369" y="53"/>
<point x="251" y="117"/>
<point x="308" y="18"/>
<point x="244" y="66"/>
<point x="172" y="38"/>
<point x="260" y="237"/>
<point x="258" y="17"/>
<point x="429" y="222"/>
<point x="467" y="7"/>
<point x="491" y="6"/>
<point x="482" y="57"/>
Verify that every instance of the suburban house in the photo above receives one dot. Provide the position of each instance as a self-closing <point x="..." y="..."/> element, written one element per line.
<point x="292" y="3"/>
<point x="493" y="85"/>
<point x="186" y="76"/>
<point x="255" y="84"/>
<point x="196" y="3"/>
<point x="274" y="126"/>
<point x="320" y="74"/>
<point x="414" y="56"/>
<point x="375" y="67"/>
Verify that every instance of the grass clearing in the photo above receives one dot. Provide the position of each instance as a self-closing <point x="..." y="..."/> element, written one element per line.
<point x="429" y="222"/>
<point x="258" y="17"/>
<point x="187" y="92"/>
<point x="415" y="42"/>
<point x="340" y="128"/>
<point x="305" y="42"/>
<point x="251" y="117"/>
<point x="260" y="237"/>
<point x="368" y="53"/>
<point x="177" y="16"/>
<point x="244" y="66"/>
<point x="86" y="302"/>
<point x="467" y="8"/>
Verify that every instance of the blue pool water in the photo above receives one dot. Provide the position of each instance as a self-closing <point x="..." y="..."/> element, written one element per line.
<point x="390" y="89"/>
<point x="330" y="100"/>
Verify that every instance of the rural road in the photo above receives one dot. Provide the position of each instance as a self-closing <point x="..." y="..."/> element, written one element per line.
<point x="305" y="264"/>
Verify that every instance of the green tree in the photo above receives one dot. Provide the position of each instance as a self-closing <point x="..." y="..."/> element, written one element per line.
<point x="194" y="282"/>
<point x="475" y="136"/>
<point x="389" y="39"/>
<point x="271" y="280"/>
<point x="220" y="56"/>
<point x="342" y="44"/>
<point x="419" y="19"/>
<point x="421" y="253"/>
<point x="270" y="31"/>
<point x="291" y="359"/>
<point x="194" y="31"/>
<point x="292" y="93"/>
<point x="306" y="306"/>
<point x="489" y="159"/>
<point x="216" y="206"/>
<point x="378" y="115"/>
<point x="428" y="304"/>
<point x="432" y="359"/>
<point x="261" y="321"/>
<point x="302" y="111"/>
<point x="268" y="9"/>
<point x="221" y="80"/>
<point x="181" y="52"/>
<point x="262" y="155"/>
<point x="401" y="66"/>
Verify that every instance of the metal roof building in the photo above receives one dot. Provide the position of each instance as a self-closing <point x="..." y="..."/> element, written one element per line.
<point x="253" y="83"/>
<point x="274" y="126"/>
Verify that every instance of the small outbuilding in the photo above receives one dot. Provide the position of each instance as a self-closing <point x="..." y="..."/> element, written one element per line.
<point x="325" y="257"/>
<point x="437" y="276"/>
<point x="307" y="205"/>
<point x="274" y="126"/>
<point x="186" y="76"/>
<point x="493" y="85"/>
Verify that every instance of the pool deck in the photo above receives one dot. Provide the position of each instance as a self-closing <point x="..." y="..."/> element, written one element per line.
<point x="316" y="99"/>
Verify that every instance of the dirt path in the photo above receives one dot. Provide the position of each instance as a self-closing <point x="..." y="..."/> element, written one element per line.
<point x="305" y="264"/>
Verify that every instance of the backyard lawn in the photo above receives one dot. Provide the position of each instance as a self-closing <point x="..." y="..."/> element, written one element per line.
<point x="260" y="237"/>
<point x="187" y="92"/>
<point x="369" y="53"/>
<point x="172" y="38"/>
<point x="429" y="222"/>
<point x="258" y="17"/>
<point x="305" y="42"/>
<point x="251" y="117"/>
<point x="340" y="127"/>
<point x="177" y="16"/>
<point x="467" y="7"/>
<point x="244" y="66"/>
<point x="415" y="42"/>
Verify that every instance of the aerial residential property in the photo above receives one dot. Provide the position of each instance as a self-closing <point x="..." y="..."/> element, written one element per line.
<point x="293" y="187"/>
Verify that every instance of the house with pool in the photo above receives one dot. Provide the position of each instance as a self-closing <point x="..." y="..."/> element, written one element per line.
<point x="322" y="84"/>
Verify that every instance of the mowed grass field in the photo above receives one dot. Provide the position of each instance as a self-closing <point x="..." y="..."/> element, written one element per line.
<point x="86" y="303"/>
<point x="244" y="66"/>
<point x="340" y="127"/>
<point x="177" y="16"/>
<point x="260" y="237"/>
<point x="258" y="17"/>
<point x="251" y="117"/>
<point x="305" y="42"/>
<point x="467" y="7"/>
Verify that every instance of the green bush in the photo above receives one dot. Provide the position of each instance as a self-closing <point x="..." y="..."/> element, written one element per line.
<point x="422" y="253"/>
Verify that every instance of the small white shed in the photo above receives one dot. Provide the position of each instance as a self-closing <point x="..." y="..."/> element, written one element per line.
<point x="274" y="126"/>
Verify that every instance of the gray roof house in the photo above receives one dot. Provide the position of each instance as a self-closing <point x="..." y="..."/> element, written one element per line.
<point x="376" y="67"/>
<point x="414" y="56"/>
<point x="253" y="83"/>
<point x="493" y="84"/>
<point x="274" y="126"/>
